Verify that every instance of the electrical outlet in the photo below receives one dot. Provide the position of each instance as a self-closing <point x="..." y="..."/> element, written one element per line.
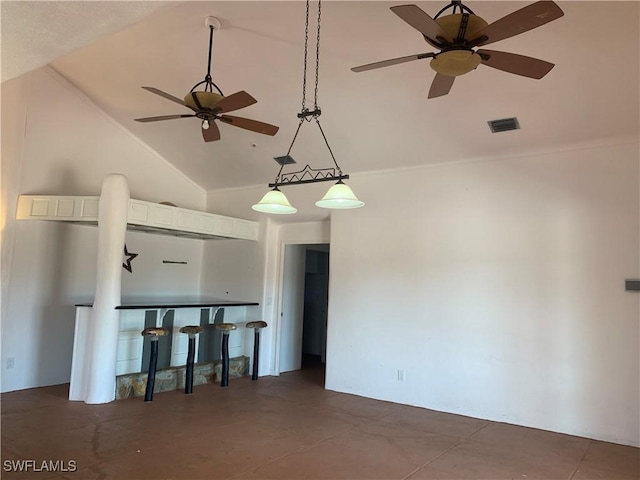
<point x="11" y="362"/>
<point x="401" y="375"/>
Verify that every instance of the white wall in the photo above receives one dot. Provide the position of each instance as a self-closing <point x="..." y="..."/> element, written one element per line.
<point x="498" y="287"/>
<point x="55" y="141"/>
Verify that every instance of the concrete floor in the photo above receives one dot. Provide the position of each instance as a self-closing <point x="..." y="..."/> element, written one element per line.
<point x="283" y="427"/>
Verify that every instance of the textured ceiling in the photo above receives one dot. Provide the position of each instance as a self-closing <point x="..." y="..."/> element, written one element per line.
<point x="35" y="33"/>
<point x="373" y="120"/>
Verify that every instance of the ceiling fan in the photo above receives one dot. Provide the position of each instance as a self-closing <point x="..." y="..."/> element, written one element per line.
<point x="210" y="106"/>
<point x="457" y="35"/>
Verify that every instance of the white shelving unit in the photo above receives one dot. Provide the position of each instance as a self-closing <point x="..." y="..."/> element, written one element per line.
<point x="143" y="216"/>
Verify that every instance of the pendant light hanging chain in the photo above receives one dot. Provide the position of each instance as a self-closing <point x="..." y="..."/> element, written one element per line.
<point x="305" y="114"/>
<point x="315" y="97"/>
<point x="306" y="50"/>
<point x="339" y="195"/>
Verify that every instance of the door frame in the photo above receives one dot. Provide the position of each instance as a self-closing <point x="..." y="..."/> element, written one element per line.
<point x="280" y="290"/>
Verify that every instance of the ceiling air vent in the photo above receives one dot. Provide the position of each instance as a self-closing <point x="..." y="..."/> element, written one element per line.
<point x="284" y="160"/>
<point x="504" y="125"/>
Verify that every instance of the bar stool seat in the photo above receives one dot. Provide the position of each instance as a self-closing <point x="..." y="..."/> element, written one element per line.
<point x="192" y="331"/>
<point x="225" y="328"/>
<point x="257" y="326"/>
<point x="154" y="333"/>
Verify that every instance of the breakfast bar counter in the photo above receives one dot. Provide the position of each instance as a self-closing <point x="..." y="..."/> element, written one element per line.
<point x="172" y="313"/>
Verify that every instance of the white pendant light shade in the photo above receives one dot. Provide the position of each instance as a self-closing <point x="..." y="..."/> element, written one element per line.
<point x="339" y="196"/>
<point x="274" y="202"/>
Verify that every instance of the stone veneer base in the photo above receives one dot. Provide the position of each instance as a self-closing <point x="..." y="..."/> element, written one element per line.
<point x="134" y="384"/>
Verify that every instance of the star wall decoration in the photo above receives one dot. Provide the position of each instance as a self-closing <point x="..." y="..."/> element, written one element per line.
<point x="130" y="256"/>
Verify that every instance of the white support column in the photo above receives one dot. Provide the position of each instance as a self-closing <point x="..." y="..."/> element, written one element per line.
<point x="102" y="338"/>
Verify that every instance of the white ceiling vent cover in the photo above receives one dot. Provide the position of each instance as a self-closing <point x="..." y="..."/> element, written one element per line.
<point x="504" y="125"/>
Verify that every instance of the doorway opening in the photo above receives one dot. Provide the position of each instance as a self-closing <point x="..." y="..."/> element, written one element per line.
<point x="305" y="298"/>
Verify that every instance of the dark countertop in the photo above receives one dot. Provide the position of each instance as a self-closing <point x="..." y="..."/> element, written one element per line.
<point x="174" y="302"/>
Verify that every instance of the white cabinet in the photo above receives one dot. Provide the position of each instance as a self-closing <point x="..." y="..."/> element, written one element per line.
<point x="69" y="209"/>
<point x="144" y="216"/>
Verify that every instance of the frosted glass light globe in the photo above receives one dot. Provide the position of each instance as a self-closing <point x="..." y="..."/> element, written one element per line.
<point x="339" y="196"/>
<point x="274" y="202"/>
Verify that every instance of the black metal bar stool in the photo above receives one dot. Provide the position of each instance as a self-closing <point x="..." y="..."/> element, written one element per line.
<point x="192" y="331"/>
<point x="154" y="333"/>
<point x="225" y="328"/>
<point x="257" y="326"/>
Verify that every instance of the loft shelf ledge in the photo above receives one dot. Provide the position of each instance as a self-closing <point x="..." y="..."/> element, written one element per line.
<point x="155" y="303"/>
<point x="143" y="216"/>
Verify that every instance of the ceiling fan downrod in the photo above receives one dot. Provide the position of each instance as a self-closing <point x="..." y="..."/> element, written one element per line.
<point x="454" y="5"/>
<point x="214" y="24"/>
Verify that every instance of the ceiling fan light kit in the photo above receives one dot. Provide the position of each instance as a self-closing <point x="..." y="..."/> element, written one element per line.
<point x="455" y="62"/>
<point x="209" y="106"/>
<point x="339" y="196"/>
<point x="457" y="35"/>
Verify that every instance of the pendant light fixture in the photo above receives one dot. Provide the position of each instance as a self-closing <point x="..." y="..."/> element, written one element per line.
<point x="339" y="196"/>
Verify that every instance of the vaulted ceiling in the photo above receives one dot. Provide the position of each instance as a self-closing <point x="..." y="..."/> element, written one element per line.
<point x="375" y="120"/>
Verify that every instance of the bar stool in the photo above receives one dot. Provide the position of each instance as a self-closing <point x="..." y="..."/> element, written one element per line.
<point x="225" y="328"/>
<point x="154" y="333"/>
<point x="257" y="326"/>
<point x="192" y="331"/>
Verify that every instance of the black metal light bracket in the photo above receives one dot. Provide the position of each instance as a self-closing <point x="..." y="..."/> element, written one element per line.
<point x="310" y="113"/>
<point x="309" y="175"/>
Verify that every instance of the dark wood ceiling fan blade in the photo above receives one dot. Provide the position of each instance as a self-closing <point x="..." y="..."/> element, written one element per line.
<point x="163" y="117"/>
<point x="392" y="61"/>
<point x="421" y="21"/>
<point x="212" y="133"/>
<point x="249" y="124"/>
<point x="166" y="95"/>
<point x="520" y="21"/>
<point x="441" y="85"/>
<point x="517" y="64"/>
<point x="235" y="101"/>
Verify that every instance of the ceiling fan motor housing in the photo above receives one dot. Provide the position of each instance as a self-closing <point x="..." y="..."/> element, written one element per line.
<point x="457" y="59"/>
